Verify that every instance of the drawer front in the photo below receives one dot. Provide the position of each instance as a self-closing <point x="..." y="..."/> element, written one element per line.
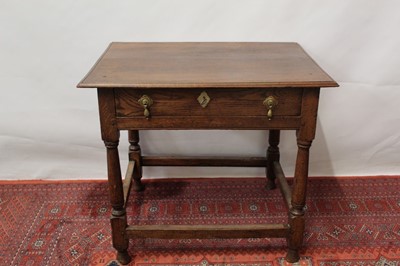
<point x="222" y="102"/>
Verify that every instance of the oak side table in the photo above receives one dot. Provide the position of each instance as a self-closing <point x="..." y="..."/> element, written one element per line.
<point x="260" y="86"/>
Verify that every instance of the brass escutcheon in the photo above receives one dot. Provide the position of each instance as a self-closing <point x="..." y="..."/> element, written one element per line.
<point x="270" y="102"/>
<point x="145" y="101"/>
<point x="203" y="99"/>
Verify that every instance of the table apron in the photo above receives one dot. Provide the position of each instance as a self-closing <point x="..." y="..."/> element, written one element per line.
<point x="204" y="122"/>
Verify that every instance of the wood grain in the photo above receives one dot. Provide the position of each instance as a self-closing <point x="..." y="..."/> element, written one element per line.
<point x="208" y="231"/>
<point x="283" y="184"/>
<point x="224" y="102"/>
<point x="209" y="122"/>
<point x="205" y="65"/>
<point x="127" y="183"/>
<point x="237" y="77"/>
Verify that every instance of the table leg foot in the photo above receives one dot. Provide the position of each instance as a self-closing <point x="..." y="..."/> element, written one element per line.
<point x="270" y="184"/>
<point x="138" y="186"/>
<point x="292" y="256"/>
<point x="123" y="257"/>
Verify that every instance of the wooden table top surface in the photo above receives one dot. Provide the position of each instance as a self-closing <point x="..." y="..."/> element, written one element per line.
<point x="205" y="65"/>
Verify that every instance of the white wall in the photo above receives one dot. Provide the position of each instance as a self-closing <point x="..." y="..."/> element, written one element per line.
<point x="50" y="130"/>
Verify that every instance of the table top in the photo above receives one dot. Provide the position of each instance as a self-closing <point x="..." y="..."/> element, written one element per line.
<point x="205" y="65"/>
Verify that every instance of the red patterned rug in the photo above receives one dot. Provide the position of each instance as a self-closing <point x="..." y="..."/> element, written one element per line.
<point x="350" y="221"/>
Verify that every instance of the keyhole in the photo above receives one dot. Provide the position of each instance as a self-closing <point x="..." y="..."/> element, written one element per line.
<point x="203" y="99"/>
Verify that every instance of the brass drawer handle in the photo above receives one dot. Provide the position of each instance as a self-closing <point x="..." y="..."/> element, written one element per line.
<point x="270" y="102"/>
<point x="145" y="101"/>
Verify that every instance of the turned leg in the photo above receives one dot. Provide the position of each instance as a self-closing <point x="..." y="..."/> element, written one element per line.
<point x="296" y="212"/>
<point x="135" y="154"/>
<point x="272" y="155"/>
<point x="110" y="135"/>
<point x="118" y="214"/>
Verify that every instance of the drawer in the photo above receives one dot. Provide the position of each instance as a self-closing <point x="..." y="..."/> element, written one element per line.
<point x="222" y="102"/>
